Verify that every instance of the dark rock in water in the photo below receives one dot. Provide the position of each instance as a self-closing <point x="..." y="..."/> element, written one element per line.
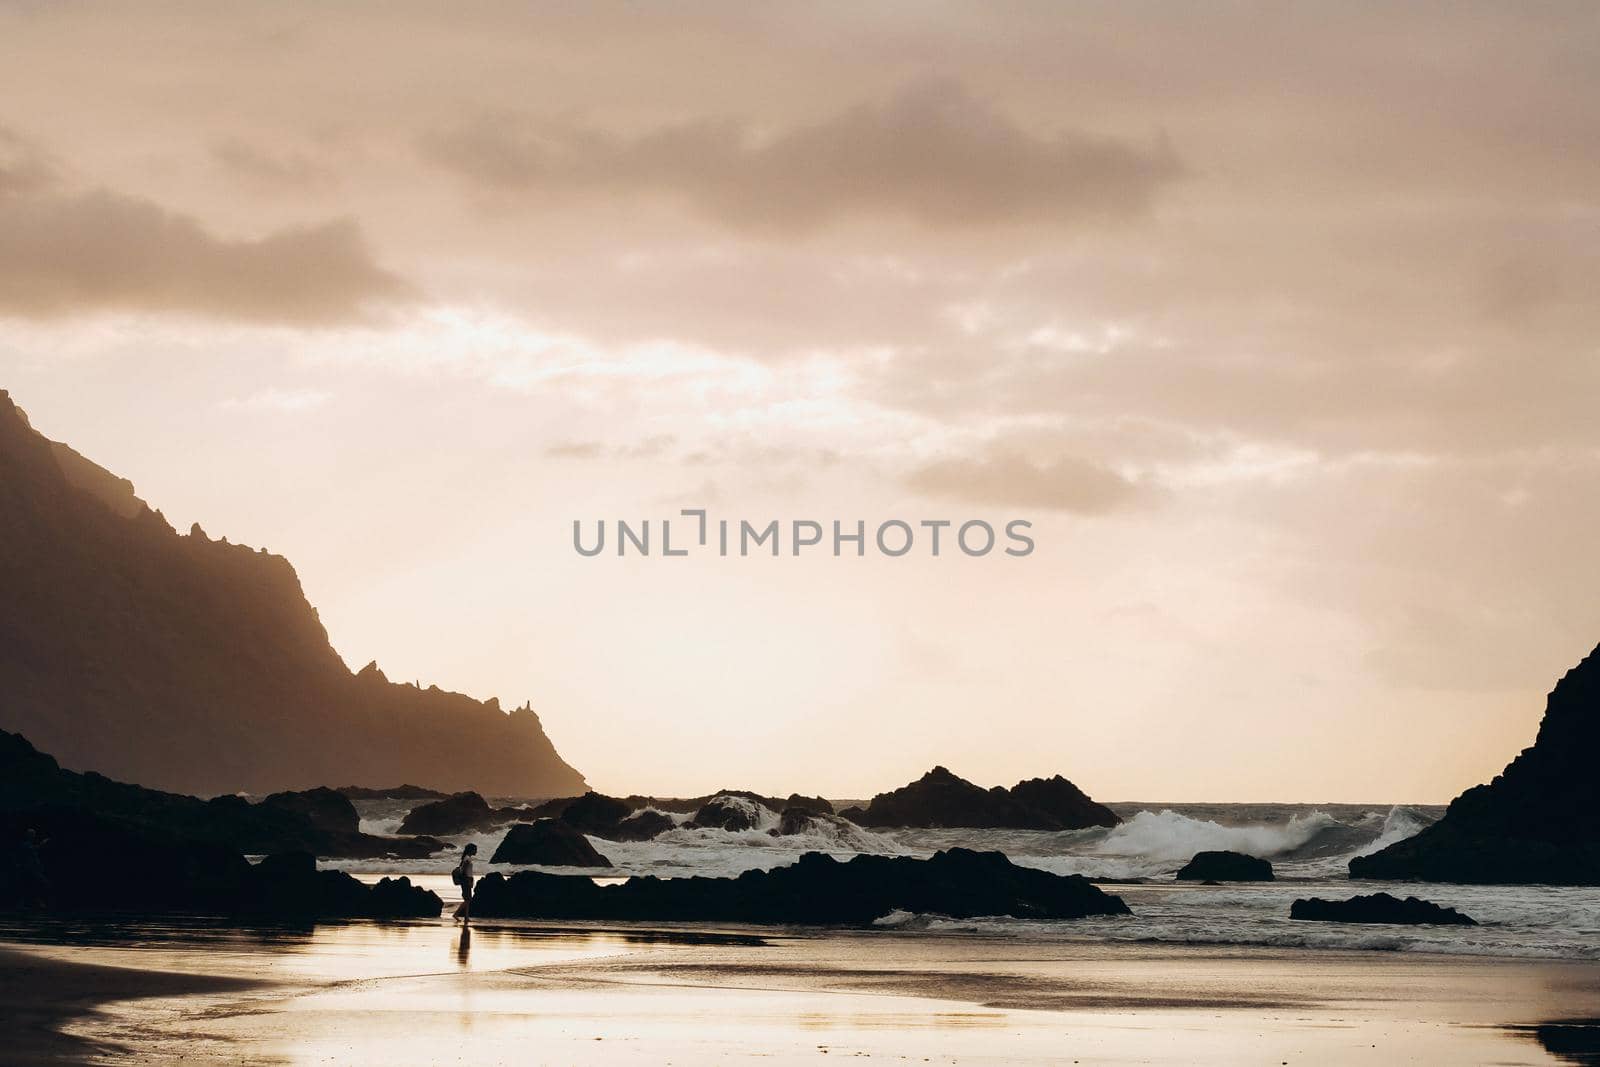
<point x="1058" y="797"/>
<point x="814" y="805"/>
<point x="855" y="813"/>
<point x="325" y="808"/>
<point x="817" y="889"/>
<point x="794" y="821"/>
<point x="459" y="814"/>
<point x="289" y="885"/>
<point x="1378" y="908"/>
<point x="548" y="842"/>
<point x="94" y="862"/>
<point x="941" y="799"/>
<point x="595" y="813"/>
<point x="728" y="812"/>
<point x="690" y="805"/>
<point x="1537" y="822"/>
<point x="398" y="792"/>
<point x="640" y="826"/>
<point x="29" y="779"/>
<point x="1225" y="867"/>
<point x="193" y="664"/>
<point x="549" y="809"/>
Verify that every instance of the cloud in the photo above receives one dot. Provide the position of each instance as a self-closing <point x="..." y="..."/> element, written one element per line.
<point x="1067" y="484"/>
<point x="275" y="399"/>
<point x="933" y="154"/>
<point x="95" y="251"/>
<point x="24" y="167"/>
<point x="292" y="170"/>
<point x="576" y="450"/>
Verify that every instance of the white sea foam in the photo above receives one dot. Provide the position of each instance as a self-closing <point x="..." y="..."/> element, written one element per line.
<point x="1403" y="821"/>
<point x="1175" y="838"/>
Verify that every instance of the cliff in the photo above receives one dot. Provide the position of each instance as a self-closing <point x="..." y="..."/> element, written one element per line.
<point x="195" y="665"/>
<point x="1535" y="823"/>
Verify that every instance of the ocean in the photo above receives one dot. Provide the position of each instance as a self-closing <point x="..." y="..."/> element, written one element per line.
<point x="1308" y="845"/>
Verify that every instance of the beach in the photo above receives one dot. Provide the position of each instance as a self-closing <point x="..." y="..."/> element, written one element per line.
<point x="513" y="992"/>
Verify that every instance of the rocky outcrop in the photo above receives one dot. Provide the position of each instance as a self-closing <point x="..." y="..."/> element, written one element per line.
<point x="690" y="805"/>
<point x="289" y="885"/>
<point x="197" y="665"/>
<point x="796" y="802"/>
<point x="31" y="779"/>
<point x="461" y="813"/>
<point x="325" y="808"/>
<point x="640" y="826"/>
<point x="1378" y="908"/>
<point x="595" y="813"/>
<point x="1225" y="867"/>
<point x="728" y="812"/>
<point x="1537" y="822"/>
<point x="942" y="799"/>
<point x="97" y="863"/>
<point x="613" y="818"/>
<point x="398" y="792"/>
<point x="1057" y="797"/>
<point x="816" y="890"/>
<point x="549" y="843"/>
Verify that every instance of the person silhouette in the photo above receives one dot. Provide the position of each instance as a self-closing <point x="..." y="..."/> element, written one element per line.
<point x="35" y="885"/>
<point x="465" y="878"/>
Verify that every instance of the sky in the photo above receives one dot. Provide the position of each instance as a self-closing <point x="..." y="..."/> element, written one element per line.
<point x="1277" y="321"/>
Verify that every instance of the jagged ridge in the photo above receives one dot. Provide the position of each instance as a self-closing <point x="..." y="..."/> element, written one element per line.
<point x="196" y="665"/>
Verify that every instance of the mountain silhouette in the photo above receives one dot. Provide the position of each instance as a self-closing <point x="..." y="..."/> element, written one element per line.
<point x="1535" y="823"/>
<point x="191" y="664"/>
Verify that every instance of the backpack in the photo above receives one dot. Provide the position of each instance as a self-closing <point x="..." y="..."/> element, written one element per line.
<point x="455" y="876"/>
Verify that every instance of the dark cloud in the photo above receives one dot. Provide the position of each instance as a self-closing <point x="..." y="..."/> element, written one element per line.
<point x="933" y="154"/>
<point x="104" y="251"/>
<point x="1000" y="478"/>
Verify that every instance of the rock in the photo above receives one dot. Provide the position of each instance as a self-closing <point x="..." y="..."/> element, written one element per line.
<point x="92" y="862"/>
<point x="1214" y="867"/>
<point x="595" y="813"/>
<point x="794" y="821"/>
<point x="728" y="812"/>
<point x="941" y="799"/>
<point x="289" y="885"/>
<point x="814" y="805"/>
<point x="1378" y="908"/>
<point x="641" y="826"/>
<point x="458" y="814"/>
<point x="398" y="792"/>
<point x="817" y="889"/>
<point x="325" y="808"/>
<point x="30" y="778"/>
<point x="1537" y="822"/>
<point x="1066" y="802"/>
<point x="549" y="843"/>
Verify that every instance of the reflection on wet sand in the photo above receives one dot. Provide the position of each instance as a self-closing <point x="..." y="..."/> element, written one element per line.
<point x="424" y="992"/>
<point x="1574" y="1041"/>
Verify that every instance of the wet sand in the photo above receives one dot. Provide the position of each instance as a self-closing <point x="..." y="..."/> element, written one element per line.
<point x="42" y="997"/>
<point x="407" y="993"/>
